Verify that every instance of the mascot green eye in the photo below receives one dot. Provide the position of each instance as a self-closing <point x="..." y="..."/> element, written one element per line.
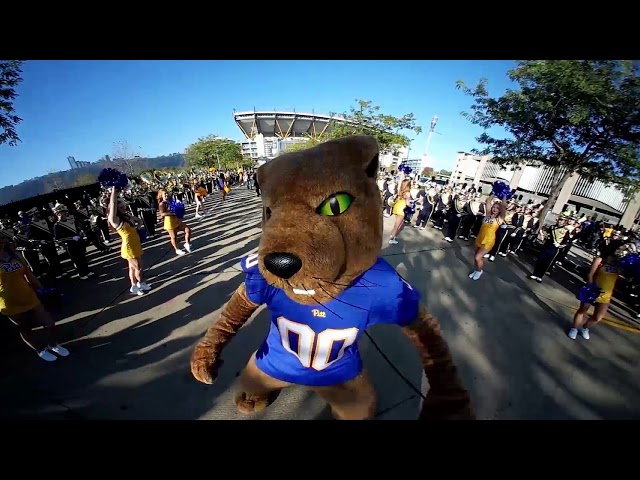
<point x="335" y="205"/>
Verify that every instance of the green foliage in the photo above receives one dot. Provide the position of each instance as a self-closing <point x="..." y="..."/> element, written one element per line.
<point x="445" y="172"/>
<point x="583" y="115"/>
<point x="10" y="77"/>
<point x="366" y="119"/>
<point x="213" y="151"/>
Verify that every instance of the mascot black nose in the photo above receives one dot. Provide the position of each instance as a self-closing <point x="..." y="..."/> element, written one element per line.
<point x="283" y="265"/>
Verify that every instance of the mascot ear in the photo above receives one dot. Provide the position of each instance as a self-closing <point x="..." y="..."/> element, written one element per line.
<point x="368" y="152"/>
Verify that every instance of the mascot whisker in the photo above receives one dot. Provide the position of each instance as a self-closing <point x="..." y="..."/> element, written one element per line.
<point x="319" y="271"/>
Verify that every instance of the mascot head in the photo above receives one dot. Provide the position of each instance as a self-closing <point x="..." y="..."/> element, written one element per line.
<point x="322" y="218"/>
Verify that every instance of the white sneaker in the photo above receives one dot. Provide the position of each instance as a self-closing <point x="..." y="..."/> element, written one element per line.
<point x="486" y="255"/>
<point x="60" y="350"/>
<point x="476" y="275"/>
<point x="47" y="356"/>
<point x="392" y="241"/>
<point x="135" y="290"/>
<point x="143" y="286"/>
<point x="492" y="258"/>
<point x="448" y="239"/>
<point x="472" y="274"/>
<point x="187" y="247"/>
<point x="585" y="333"/>
<point x="180" y="252"/>
<point x="572" y="333"/>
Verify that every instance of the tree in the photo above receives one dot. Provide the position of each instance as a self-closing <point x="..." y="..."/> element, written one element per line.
<point x="124" y="156"/>
<point x="574" y="116"/>
<point x="10" y="77"/>
<point x="446" y="173"/>
<point x="85" y="179"/>
<point x="366" y="119"/>
<point x="427" y="172"/>
<point x="214" y="151"/>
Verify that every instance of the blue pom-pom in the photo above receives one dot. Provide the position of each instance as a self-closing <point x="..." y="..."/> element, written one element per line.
<point x="110" y="177"/>
<point x="630" y="264"/>
<point x="142" y="232"/>
<point x="177" y="208"/>
<point x="501" y="190"/>
<point x="589" y="293"/>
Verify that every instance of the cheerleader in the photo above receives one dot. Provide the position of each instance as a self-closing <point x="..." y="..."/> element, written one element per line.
<point x="404" y="197"/>
<point x="487" y="235"/>
<point x="223" y="185"/>
<point x="604" y="273"/>
<point x="126" y="226"/>
<point x="19" y="302"/>
<point x="173" y="224"/>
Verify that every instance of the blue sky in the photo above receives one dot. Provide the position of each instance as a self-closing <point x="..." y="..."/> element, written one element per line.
<point x="81" y="108"/>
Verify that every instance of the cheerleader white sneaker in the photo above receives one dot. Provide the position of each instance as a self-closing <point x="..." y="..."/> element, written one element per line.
<point x="476" y="275"/>
<point x="187" y="247"/>
<point x="136" y="290"/>
<point x="60" y="350"/>
<point x="47" y="356"/>
<point x="180" y="252"/>
<point x="144" y="286"/>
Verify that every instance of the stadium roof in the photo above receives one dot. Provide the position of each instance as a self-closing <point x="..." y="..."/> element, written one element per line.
<point x="283" y="124"/>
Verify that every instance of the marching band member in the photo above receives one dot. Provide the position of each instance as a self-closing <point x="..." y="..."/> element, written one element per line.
<point x="41" y="234"/>
<point x="513" y="229"/>
<point x="442" y="208"/>
<point x="428" y="199"/>
<point x="23" y="245"/>
<point x="503" y="233"/>
<point x="19" y="302"/>
<point x="173" y="224"/>
<point x="574" y="229"/>
<point x="479" y="211"/>
<point x="528" y="221"/>
<point x="487" y="235"/>
<point x="404" y="197"/>
<point x="131" y="249"/>
<point x="468" y="218"/>
<point x="457" y="213"/>
<point x="64" y="231"/>
<point x="145" y="210"/>
<point x="82" y="220"/>
<point x="555" y="239"/>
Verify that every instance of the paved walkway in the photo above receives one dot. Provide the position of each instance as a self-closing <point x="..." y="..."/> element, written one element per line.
<point x="130" y="355"/>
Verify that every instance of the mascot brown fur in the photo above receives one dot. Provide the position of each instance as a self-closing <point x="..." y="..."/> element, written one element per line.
<point x="321" y="240"/>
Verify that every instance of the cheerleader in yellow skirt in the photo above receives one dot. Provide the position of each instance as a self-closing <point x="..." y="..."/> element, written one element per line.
<point x="19" y="302"/>
<point x="486" y="238"/>
<point x="604" y="273"/>
<point x="173" y="224"/>
<point x="126" y="226"/>
<point x="404" y="197"/>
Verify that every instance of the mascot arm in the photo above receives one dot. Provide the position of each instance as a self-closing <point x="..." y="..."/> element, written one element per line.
<point x="205" y="360"/>
<point x="447" y="398"/>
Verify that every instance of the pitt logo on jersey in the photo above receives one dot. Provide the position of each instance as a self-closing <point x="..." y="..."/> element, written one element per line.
<point x="318" y="313"/>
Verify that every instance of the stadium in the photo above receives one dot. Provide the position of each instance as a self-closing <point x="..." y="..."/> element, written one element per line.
<point x="268" y="134"/>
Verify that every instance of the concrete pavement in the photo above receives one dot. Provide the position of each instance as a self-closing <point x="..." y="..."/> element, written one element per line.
<point x="130" y="355"/>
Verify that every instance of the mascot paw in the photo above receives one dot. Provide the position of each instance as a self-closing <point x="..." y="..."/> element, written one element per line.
<point x="205" y="363"/>
<point x="247" y="403"/>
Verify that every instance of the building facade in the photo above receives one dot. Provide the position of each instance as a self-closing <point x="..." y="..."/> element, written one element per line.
<point x="581" y="195"/>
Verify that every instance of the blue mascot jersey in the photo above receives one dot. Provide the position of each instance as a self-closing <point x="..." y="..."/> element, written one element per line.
<point x="316" y="345"/>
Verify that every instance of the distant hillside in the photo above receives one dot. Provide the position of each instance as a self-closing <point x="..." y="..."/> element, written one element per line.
<point x="82" y="176"/>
